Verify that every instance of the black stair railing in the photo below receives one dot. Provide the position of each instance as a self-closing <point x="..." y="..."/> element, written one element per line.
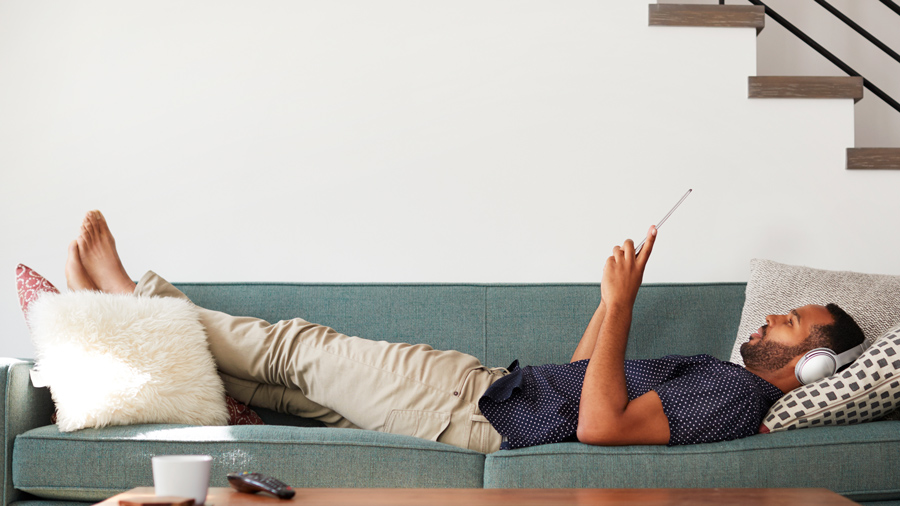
<point x="828" y="54"/>
<point x="892" y="6"/>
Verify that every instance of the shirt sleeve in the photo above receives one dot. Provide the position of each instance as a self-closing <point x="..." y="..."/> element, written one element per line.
<point x="709" y="408"/>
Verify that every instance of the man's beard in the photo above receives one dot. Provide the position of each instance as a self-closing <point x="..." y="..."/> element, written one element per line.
<point x="768" y="355"/>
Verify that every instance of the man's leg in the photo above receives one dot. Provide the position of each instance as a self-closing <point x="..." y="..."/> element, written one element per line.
<point x="376" y="385"/>
<point x="283" y="400"/>
<point x="397" y="388"/>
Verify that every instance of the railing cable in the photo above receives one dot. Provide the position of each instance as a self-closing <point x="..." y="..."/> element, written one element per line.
<point x="860" y="30"/>
<point x="891" y="5"/>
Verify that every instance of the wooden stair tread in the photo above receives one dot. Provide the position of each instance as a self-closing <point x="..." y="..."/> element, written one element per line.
<point x="742" y="16"/>
<point x="873" y="158"/>
<point x="806" y="87"/>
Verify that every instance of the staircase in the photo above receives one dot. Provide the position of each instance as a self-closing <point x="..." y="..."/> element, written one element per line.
<point x="771" y="87"/>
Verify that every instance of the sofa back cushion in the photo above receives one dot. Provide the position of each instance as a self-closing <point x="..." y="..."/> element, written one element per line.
<point x="541" y="324"/>
<point x="535" y="323"/>
<point x="442" y="315"/>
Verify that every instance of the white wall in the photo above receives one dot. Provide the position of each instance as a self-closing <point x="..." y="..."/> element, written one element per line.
<point x="400" y="140"/>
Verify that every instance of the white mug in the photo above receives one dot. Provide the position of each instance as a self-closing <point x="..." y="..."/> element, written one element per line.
<point x="182" y="476"/>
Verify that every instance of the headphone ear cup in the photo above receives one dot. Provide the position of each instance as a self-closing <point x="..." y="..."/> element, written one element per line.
<point x="815" y="365"/>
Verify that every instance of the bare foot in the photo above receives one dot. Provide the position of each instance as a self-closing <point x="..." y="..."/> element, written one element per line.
<point x="76" y="277"/>
<point x="101" y="261"/>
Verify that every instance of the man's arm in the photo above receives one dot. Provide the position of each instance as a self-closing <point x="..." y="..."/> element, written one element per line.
<point x="606" y="416"/>
<point x="589" y="338"/>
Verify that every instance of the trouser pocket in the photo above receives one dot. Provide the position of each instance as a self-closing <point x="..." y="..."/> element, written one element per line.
<point x="483" y="437"/>
<point x="421" y="424"/>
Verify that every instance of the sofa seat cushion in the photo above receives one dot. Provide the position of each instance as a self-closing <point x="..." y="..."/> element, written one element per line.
<point x="858" y="461"/>
<point x="93" y="464"/>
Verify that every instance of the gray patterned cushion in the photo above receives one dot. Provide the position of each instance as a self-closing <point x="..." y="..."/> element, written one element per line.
<point x="873" y="300"/>
<point x="865" y="391"/>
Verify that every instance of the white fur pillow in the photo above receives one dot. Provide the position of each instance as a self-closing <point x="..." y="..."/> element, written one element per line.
<point x="873" y="300"/>
<point x="121" y="360"/>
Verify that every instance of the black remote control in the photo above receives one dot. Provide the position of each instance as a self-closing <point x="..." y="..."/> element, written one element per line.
<point x="251" y="483"/>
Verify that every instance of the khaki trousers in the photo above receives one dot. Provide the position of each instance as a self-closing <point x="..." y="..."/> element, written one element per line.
<point x="310" y="370"/>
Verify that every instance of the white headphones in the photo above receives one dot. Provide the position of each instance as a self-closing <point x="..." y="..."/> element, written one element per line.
<point x="821" y="363"/>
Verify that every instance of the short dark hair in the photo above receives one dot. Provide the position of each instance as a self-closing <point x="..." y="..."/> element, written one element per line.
<point x="839" y="336"/>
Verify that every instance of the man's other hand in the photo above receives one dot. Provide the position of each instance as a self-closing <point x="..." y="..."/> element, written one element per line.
<point x="623" y="272"/>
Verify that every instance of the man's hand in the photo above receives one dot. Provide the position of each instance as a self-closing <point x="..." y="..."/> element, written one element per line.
<point x="624" y="272"/>
<point x="606" y="416"/>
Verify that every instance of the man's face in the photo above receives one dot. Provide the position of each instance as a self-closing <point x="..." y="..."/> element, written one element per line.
<point x="783" y="338"/>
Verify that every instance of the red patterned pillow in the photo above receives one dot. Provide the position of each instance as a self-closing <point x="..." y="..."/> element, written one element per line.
<point x="240" y="414"/>
<point x="30" y="285"/>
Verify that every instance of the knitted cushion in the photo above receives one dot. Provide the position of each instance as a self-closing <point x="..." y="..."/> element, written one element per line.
<point x="872" y="300"/>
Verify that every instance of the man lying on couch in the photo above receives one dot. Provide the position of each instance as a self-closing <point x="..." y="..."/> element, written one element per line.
<point x="599" y="398"/>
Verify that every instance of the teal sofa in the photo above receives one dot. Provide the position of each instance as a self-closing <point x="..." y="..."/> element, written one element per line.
<point x="536" y="324"/>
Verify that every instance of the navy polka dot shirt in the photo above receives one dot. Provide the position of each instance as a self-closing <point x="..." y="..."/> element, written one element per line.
<point x="705" y="399"/>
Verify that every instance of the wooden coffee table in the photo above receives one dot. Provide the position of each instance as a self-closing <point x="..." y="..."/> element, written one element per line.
<point x="518" y="496"/>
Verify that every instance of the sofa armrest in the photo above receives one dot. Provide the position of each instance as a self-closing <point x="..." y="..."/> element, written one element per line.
<point x="23" y="408"/>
